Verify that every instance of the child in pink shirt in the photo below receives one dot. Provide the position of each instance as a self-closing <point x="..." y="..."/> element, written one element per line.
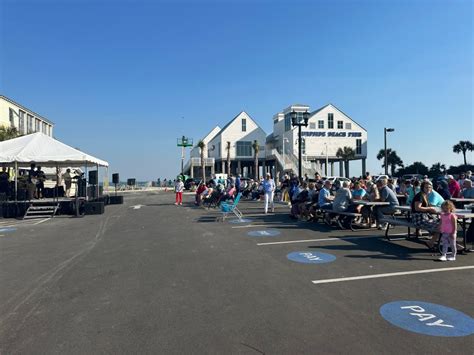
<point x="448" y="229"/>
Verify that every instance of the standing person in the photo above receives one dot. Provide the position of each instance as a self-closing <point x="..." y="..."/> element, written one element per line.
<point x="67" y="182"/>
<point x="238" y="183"/>
<point x="269" y="190"/>
<point x="4" y="184"/>
<point x="41" y="178"/>
<point x="178" y="188"/>
<point x="448" y="229"/>
<point x="31" y="182"/>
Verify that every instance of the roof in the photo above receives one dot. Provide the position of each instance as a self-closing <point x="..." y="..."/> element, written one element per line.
<point x="322" y="108"/>
<point x="230" y="122"/>
<point x="41" y="148"/>
<point x="26" y="109"/>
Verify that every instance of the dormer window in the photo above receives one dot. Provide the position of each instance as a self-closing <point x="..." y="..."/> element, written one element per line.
<point x="244" y="125"/>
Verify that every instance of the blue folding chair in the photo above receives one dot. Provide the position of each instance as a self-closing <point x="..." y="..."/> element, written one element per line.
<point x="227" y="208"/>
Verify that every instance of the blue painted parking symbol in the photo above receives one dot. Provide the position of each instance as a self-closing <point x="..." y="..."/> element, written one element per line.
<point x="264" y="233"/>
<point x="310" y="257"/>
<point x="242" y="220"/>
<point x="428" y="318"/>
<point x="7" y="229"/>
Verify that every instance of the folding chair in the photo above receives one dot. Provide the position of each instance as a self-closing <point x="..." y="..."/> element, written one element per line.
<point x="228" y="208"/>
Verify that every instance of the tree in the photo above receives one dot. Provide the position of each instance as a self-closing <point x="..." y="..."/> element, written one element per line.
<point x="202" y="146"/>
<point x="415" y="168"/>
<point x="393" y="160"/>
<point x="346" y="154"/>
<point x="8" y="133"/>
<point x="437" y="169"/>
<point x="256" y="149"/>
<point x="228" y="157"/>
<point x="463" y="147"/>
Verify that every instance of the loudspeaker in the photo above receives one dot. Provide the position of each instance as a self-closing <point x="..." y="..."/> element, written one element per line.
<point x="116" y="200"/>
<point x="115" y="178"/>
<point x="93" y="177"/>
<point x="131" y="182"/>
<point x="81" y="187"/>
<point x="94" y="208"/>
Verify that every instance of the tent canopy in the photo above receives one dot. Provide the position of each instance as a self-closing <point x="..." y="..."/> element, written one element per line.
<point x="45" y="151"/>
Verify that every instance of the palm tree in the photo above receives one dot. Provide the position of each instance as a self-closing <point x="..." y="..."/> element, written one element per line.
<point x="8" y="133"/>
<point x="228" y="157"/>
<point x="346" y="154"/>
<point x="256" y="149"/>
<point x="463" y="147"/>
<point x="393" y="160"/>
<point x="201" y="146"/>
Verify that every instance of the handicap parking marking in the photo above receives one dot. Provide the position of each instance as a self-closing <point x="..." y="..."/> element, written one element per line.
<point x="264" y="233"/>
<point x="428" y="318"/>
<point x="306" y="257"/>
<point x="242" y="220"/>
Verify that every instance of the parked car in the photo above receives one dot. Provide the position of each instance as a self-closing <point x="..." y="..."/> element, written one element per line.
<point x="336" y="181"/>
<point x="412" y="177"/>
<point x="191" y="182"/>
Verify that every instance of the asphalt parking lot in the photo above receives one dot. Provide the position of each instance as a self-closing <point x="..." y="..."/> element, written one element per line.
<point x="151" y="277"/>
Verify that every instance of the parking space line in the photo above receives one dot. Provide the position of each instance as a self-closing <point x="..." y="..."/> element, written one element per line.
<point x="41" y="221"/>
<point x="266" y="225"/>
<point x="313" y="240"/>
<point x="426" y="271"/>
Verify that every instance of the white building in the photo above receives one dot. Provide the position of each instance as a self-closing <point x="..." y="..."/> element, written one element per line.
<point x="235" y="141"/>
<point x="328" y="130"/>
<point x="26" y="121"/>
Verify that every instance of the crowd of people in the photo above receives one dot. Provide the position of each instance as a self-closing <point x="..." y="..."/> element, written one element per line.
<point x="308" y="197"/>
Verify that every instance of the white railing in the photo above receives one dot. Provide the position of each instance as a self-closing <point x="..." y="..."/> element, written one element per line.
<point x="290" y="162"/>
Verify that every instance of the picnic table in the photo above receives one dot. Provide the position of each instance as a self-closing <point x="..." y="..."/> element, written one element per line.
<point x="459" y="202"/>
<point x="371" y="203"/>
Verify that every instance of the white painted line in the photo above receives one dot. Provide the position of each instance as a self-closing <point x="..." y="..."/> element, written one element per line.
<point x="426" y="271"/>
<point x="39" y="222"/>
<point x="266" y="225"/>
<point x="314" y="240"/>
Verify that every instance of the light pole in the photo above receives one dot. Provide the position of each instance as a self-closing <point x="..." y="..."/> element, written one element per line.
<point x="184" y="142"/>
<point x="296" y="122"/>
<point x="385" y="130"/>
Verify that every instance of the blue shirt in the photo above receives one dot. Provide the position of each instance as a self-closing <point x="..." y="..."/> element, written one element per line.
<point x="323" y="194"/>
<point x="359" y="193"/>
<point x="268" y="185"/>
<point x="435" y="199"/>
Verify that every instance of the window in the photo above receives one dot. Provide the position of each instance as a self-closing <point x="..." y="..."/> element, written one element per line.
<point x="29" y="124"/>
<point x="340" y="125"/>
<point x="330" y="120"/>
<point x="287" y="123"/>
<point x="312" y="125"/>
<point x="21" y="124"/>
<point x="244" y="125"/>
<point x="358" y="146"/>
<point x="321" y="124"/>
<point x="244" y="149"/>
<point x="348" y="125"/>
<point x="37" y="125"/>
<point x="12" y="117"/>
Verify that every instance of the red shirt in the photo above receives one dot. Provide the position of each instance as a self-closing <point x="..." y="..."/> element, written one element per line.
<point x="454" y="189"/>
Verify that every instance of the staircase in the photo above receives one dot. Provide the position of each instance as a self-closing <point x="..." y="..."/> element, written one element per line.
<point x="290" y="162"/>
<point x="41" y="210"/>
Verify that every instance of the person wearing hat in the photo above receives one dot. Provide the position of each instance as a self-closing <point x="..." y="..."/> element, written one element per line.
<point x="269" y="190"/>
<point x="178" y="189"/>
<point x="454" y="188"/>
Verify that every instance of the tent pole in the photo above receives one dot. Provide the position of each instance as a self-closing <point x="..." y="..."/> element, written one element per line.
<point x="16" y="182"/>
<point x="97" y="187"/>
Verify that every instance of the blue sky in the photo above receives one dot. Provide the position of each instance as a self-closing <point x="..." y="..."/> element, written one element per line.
<point x="123" y="79"/>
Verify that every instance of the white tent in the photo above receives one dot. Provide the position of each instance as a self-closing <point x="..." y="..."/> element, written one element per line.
<point x="45" y="151"/>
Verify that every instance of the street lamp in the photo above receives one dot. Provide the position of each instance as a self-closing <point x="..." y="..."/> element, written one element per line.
<point x="385" y="130"/>
<point x="297" y="122"/>
<point x="184" y="142"/>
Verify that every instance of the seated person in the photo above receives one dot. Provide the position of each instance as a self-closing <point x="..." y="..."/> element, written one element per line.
<point x="443" y="189"/>
<point x="199" y="193"/>
<point x="468" y="190"/>
<point x="325" y="198"/>
<point x="386" y="195"/>
<point x="358" y="193"/>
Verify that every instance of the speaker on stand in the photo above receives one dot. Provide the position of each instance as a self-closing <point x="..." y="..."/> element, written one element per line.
<point x="115" y="181"/>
